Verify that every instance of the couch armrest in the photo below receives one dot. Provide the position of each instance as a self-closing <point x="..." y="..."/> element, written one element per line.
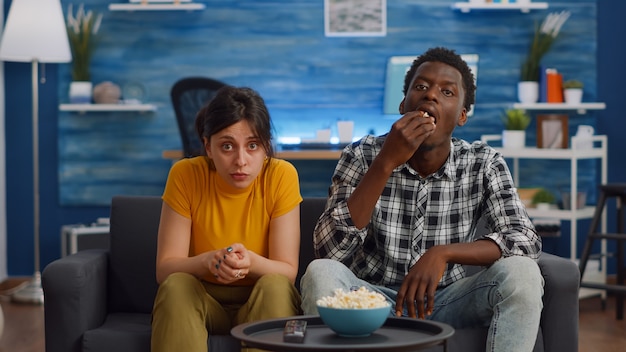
<point x="75" y="294"/>
<point x="559" y="319"/>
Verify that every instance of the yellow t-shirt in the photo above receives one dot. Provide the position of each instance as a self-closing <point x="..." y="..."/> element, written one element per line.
<point x="221" y="214"/>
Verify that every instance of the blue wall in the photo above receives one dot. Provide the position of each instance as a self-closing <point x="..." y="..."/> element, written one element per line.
<point x="279" y="48"/>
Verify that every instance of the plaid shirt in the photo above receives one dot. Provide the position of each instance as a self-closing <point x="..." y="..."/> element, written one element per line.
<point x="414" y="214"/>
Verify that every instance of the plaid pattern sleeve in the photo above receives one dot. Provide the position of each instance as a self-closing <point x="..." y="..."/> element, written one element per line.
<point x="414" y="214"/>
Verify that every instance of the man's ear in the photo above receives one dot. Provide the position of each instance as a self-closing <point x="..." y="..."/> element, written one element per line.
<point x="462" y="118"/>
<point x="401" y="107"/>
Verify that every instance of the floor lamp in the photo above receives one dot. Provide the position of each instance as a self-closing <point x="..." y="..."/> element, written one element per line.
<point x="35" y="32"/>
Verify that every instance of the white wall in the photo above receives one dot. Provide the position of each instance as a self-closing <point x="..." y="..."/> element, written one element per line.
<point x="3" y="212"/>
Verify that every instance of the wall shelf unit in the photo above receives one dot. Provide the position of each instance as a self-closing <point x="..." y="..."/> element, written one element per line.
<point x="580" y="108"/>
<point x="573" y="214"/>
<point x="107" y="107"/>
<point x="182" y="6"/>
<point x="523" y="7"/>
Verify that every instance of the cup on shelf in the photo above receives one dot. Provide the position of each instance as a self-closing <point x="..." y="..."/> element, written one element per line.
<point x="323" y="136"/>
<point x="345" y="130"/>
<point x="584" y="136"/>
<point x="581" y="200"/>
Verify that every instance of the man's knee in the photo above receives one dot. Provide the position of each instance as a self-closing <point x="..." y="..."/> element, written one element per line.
<point x="321" y="267"/>
<point x="520" y="276"/>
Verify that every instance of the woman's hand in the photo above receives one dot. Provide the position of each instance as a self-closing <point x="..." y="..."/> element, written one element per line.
<point x="230" y="264"/>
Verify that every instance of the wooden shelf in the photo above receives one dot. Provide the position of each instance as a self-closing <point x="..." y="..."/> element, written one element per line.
<point x="467" y="6"/>
<point x="189" y="6"/>
<point x="581" y="108"/>
<point x="107" y="107"/>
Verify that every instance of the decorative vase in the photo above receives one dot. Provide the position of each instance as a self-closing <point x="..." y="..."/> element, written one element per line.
<point x="573" y="95"/>
<point x="80" y="92"/>
<point x="107" y="93"/>
<point x="528" y="91"/>
<point x="513" y="139"/>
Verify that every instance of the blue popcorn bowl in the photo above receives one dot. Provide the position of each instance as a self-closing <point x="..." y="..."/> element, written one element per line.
<point x="354" y="322"/>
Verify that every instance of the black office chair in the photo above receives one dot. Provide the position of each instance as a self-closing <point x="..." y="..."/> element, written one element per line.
<point x="189" y="95"/>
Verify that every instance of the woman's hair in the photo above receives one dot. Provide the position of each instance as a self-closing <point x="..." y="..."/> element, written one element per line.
<point x="231" y="105"/>
<point x="448" y="57"/>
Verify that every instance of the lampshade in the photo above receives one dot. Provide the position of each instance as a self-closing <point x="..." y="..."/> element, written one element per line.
<point x="35" y="31"/>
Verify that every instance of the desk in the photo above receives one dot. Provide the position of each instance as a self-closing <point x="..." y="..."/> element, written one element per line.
<point x="309" y="154"/>
<point x="397" y="334"/>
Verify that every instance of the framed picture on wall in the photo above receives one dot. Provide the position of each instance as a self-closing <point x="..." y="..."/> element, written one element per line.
<point x="552" y="131"/>
<point x="398" y="66"/>
<point x="355" y="18"/>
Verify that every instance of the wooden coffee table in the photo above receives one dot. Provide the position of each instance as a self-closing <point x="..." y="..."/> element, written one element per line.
<point x="397" y="334"/>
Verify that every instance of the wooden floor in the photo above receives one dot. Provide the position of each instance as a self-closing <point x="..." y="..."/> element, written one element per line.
<point x="599" y="330"/>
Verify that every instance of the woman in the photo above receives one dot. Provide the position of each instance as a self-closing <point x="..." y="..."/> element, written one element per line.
<point x="229" y="235"/>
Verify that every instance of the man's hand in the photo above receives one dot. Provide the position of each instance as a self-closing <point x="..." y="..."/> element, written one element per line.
<point x="406" y="135"/>
<point x="419" y="286"/>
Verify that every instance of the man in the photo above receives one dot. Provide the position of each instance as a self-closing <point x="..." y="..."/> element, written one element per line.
<point x="404" y="208"/>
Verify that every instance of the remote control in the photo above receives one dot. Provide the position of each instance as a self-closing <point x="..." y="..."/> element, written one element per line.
<point x="294" y="331"/>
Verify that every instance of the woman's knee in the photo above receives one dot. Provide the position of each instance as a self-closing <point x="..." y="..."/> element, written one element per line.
<point x="274" y="295"/>
<point x="178" y="287"/>
<point x="274" y="283"/>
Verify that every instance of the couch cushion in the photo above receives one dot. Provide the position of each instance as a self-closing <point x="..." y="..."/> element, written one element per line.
<point x="127" y="332"/>
<point x="121" y="332"/>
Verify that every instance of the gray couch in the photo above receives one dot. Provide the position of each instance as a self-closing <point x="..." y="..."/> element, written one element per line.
<point x="100" y="300"/>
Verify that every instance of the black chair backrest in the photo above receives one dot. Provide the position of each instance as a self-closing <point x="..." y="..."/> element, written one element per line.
<point x="188" y="96"/>
<point x="132" y="261"/>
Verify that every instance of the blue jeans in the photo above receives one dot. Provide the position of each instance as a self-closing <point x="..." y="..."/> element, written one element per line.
<point x="506" y="297"/>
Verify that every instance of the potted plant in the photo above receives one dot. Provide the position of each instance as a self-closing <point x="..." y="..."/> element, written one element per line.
<point x="543" y="199"/>
<point x="82" y="30"/>
<point x="515" y="123"/>
<point x="573" y="91"/>
<point x="543" y="38"/>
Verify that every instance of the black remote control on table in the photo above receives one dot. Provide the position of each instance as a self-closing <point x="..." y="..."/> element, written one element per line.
<point x="294" y="331"/>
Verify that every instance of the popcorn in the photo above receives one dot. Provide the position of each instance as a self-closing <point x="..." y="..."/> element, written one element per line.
<point x="354" y="299"/>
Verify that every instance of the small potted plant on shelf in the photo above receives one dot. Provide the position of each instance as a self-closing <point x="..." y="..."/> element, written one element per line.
<point x="573" y="91"/>
<point x="543" y="199"/>
<point x="515" y="123"/>
<point x="82" y="30"/>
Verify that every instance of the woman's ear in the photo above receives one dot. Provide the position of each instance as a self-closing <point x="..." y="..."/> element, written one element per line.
<point x="207" y="146"/>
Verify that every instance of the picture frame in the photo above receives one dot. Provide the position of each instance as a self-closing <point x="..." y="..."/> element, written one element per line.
<point x="552" y="131"/>
<point x="355" y="18"/>
<point x="398" y="66"/>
